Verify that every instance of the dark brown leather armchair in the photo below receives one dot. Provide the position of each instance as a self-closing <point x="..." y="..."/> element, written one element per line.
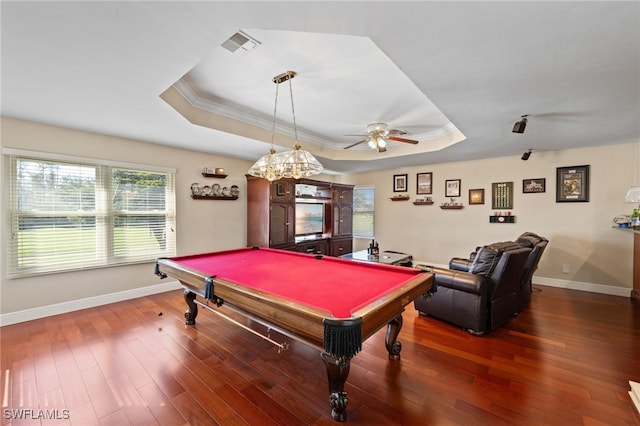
<point x="526" y="239"/>
<point x="537" y="244"/>
<point x="481" y="294"/>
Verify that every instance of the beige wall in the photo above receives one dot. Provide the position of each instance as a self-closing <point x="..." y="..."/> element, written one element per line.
<point x="580" y="233"/>
<point x="202" y="225"/>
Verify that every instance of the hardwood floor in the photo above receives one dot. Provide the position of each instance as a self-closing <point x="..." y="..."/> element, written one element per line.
<point x="566" y="360"/>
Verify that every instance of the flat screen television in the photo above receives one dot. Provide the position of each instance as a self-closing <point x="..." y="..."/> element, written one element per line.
<point x="309" y="218"/>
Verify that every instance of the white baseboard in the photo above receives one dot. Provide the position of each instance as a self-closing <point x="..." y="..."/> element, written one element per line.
<point x="90" y="302"/>
<point x="634" y="393"/>
<point x="577" y="285"/>
<point x="572" y="285"/>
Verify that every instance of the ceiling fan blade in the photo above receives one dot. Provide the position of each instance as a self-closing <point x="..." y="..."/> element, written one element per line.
<point x="357" y="143"/>
<point x="397" y="139"/>
<point x="397" y="132"/>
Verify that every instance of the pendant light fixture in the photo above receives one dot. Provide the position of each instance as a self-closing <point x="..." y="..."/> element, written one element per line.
<point x="296" y="163"/>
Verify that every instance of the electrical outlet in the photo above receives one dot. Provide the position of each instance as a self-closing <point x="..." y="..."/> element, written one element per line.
<point x="565" y="268"/>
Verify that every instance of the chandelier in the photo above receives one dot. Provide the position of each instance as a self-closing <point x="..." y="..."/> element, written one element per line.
<point x="296" y="163"/>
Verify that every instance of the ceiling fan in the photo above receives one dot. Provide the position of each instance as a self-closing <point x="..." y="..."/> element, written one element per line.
<point x="379" y="134"/>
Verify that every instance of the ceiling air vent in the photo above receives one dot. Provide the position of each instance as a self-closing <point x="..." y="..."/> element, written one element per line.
<point x="240" y="43"/>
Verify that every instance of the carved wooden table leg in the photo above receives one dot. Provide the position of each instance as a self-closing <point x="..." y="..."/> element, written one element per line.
<point x="192" y="309"/>
<point x="337" y="372"/>
<point x="393" y="345"/>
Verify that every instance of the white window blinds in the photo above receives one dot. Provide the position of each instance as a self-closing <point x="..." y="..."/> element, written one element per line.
<point x="69" y="215"/>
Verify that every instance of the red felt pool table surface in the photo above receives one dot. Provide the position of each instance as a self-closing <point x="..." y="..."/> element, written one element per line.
<point x="331" y="303"/>
<point x="334" y="285"/>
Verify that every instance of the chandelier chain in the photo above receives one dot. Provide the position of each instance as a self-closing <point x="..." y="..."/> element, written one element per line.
<point x="275" y="109"/>
<point x="293" y="114"/>
<point x="296" y="163"/>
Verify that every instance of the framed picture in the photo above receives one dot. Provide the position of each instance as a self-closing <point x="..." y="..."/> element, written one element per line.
<point x="423" y="183"/>
<point x="452" y="187"/>
<point x="400" y="183"/>
<point x="572" y="184"/>
<point x="531" y="186"/>
<point x="502" y="195"/>
<point x="476" y="196"/>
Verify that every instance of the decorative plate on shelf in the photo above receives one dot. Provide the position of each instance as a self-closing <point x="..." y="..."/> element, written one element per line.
<point x="206" y="190"/>
<point x="235" y="191"/>
<point x="216" y="190"/>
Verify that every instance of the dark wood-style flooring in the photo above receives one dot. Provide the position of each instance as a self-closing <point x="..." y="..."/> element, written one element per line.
<point x="566" y="360"/>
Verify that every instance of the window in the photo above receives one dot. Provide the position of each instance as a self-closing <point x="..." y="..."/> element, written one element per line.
<point x="74" y="214"/>
<point x="363" y="211"/>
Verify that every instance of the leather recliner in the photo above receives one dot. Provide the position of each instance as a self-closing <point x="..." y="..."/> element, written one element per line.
<point x="537" y="244"/>
<point x="478" y="295"/>
<point x="526" y="239"/>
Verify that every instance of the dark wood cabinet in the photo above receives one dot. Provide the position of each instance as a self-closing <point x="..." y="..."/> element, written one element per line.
<point x="315" y="247"/>
<point x="271" y="215"/>
<point x="282" y="224"/>
<point x="342" y="220"/>
<point x="342" y="194"/>
<point x="283" y="191"/>
<point x="342" y="211"/>
<point x="340" y="246"/>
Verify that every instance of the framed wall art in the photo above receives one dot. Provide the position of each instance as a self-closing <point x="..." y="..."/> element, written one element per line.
<point x="400" y="183"/>
<point x="476" y="196"/>
<point x="532" y="186"/>
<point x="502" y="195"/>
<point x="572" y="184"/>
<point x="423" y="183"/>
<point x="452" y="187"/>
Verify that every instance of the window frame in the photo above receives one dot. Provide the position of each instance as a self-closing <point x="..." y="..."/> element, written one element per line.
<point x="103" y="252"/>
<point x="373" y="196"/>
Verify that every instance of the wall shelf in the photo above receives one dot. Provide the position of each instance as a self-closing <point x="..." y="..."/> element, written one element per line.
<point x="422" y="203"/>
<point x="214" y="175"/>
<point x="456" y="207"/>
<point x="502" y="219"/>
<point x="213" y="197"/>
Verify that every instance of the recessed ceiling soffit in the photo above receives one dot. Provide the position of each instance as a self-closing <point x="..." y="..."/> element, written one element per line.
<point x="343" y="84"/>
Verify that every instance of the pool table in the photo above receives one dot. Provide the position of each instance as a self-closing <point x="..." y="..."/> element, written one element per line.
<point x="330" y="303"/>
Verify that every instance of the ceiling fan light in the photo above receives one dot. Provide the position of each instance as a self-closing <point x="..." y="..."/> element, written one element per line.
<point x="376" y="127"/>
<point x="381" y="142"/>
<point x="372" y="143"/>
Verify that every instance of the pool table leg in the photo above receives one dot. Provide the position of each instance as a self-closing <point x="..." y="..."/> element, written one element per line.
<point x="192" y="311"/>
<point x="337" y="372"/>
<point x="391" y="338"/>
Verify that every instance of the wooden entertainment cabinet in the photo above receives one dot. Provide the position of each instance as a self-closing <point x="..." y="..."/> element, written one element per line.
<point x="271" y="215"/>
